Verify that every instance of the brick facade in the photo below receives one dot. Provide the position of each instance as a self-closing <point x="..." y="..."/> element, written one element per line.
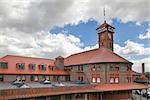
<point x="102" y="71"/>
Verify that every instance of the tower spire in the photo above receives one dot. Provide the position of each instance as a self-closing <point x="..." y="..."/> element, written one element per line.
<point x="104" y="14"/>
<point x="105" y="34"/>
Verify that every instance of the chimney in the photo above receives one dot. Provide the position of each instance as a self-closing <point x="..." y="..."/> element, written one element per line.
<point x="143" y="68"/>
<point x="59" y="63"/>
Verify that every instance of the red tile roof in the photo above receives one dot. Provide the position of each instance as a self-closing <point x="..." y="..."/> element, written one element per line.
<point x="136" y="73"/>
<point x="13" y="60"/>
<point x="32" y="92"/>
<point x="123" y="86"/>
<point x="105" y="24"/>
<point x="98" y="55"/>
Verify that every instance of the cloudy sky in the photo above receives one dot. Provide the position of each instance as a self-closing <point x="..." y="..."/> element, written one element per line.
<point x="48" y="28"/>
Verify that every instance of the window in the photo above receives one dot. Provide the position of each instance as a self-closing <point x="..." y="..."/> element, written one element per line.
<point x="129" y="68"/>
<point x="111" y="68"/>
<point x="51" y="67"/>
<point x="23" y="78"/>
<point x="102" y="44"/>
<point x="98" y="80"/>
<point x="54" y="78"/>
<point x="78" y="96"/>
<point x="63" y="78"/>
<point x="80" y="68"/>
<point x="18" y="78"/>
<point x="44" y="77"/>
<point x="47" y="78"/>
<point x="93" y="68"/>
<point x="32" y="78"/>
<point x="32" y="66"/>
<point x="42" y="67"/>
<point x="67" y="78"/>
<point x="117" y="68"/>
<point x="35" y="78"/>
<point x="55" y="97"/>
<point x="3" y="65"/>
<point x="111" y="80"/>
<point x="81" y="78"/>
<point x="93" y="79"/>
<point x="20" y="66"/>
<point x="98" y="68"/>
<point x="68" y="97"/>
<point x="116" y="80"/>
<point x="110" y="45"/>
<point x="1" y="78"/>
<point x="129" y="79"/>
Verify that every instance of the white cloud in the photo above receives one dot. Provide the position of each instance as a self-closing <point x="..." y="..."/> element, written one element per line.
<point x="135" y="53"/>
<point x="138" y="67"/>
<point x="49" y="45"/>
<point x="145" y="35"/>
<point x="40" y="44"/>
<point x="33" y="15"/>
<point x="132" y="48"/>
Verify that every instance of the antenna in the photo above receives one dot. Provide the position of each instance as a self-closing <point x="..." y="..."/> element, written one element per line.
<point x="104" y="15"/>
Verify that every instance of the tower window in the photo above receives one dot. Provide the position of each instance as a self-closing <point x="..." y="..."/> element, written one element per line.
<point x="110" y="45"/>
<point x="102" y="44"/>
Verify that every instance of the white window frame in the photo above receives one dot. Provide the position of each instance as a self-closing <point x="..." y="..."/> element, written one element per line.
<point x="93" y="80"/>
<point x="23" y="78"/>
<point x="111" y="80"/>
<point x="98" y="80"/>
<point x="117" y="80"/>
<point x="35" y="78"/>
<point x="47" y="78"/>
<point x="18" y="78"/>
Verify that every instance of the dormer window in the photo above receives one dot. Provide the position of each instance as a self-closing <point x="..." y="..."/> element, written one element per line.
<point x="32" y="66"/>
<point x="42" y="67"/>
<point x="20" y="66"/>
<point x="4" y="65"/>
<point x="51" y="67"/>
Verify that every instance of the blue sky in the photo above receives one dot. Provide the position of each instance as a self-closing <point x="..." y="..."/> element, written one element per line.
<point x="87" y="31"/>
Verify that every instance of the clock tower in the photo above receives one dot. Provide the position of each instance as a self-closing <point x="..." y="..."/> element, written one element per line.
<point x="105" y="35"/>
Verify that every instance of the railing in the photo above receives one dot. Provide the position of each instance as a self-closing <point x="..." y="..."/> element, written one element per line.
<point x="35" y="92"/>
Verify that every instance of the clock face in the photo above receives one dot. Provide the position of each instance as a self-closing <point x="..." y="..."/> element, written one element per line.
<point x="109" y="35"/>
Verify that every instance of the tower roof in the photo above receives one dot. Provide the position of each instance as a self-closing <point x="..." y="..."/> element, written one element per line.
<point x="105" y="24"/>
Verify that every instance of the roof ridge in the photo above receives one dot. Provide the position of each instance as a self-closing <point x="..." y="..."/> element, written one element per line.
<point x="121" y="57"/>
<point x="116" y="54"/>
<point x="82" y="52"/>
<point x="28" y="57"/>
